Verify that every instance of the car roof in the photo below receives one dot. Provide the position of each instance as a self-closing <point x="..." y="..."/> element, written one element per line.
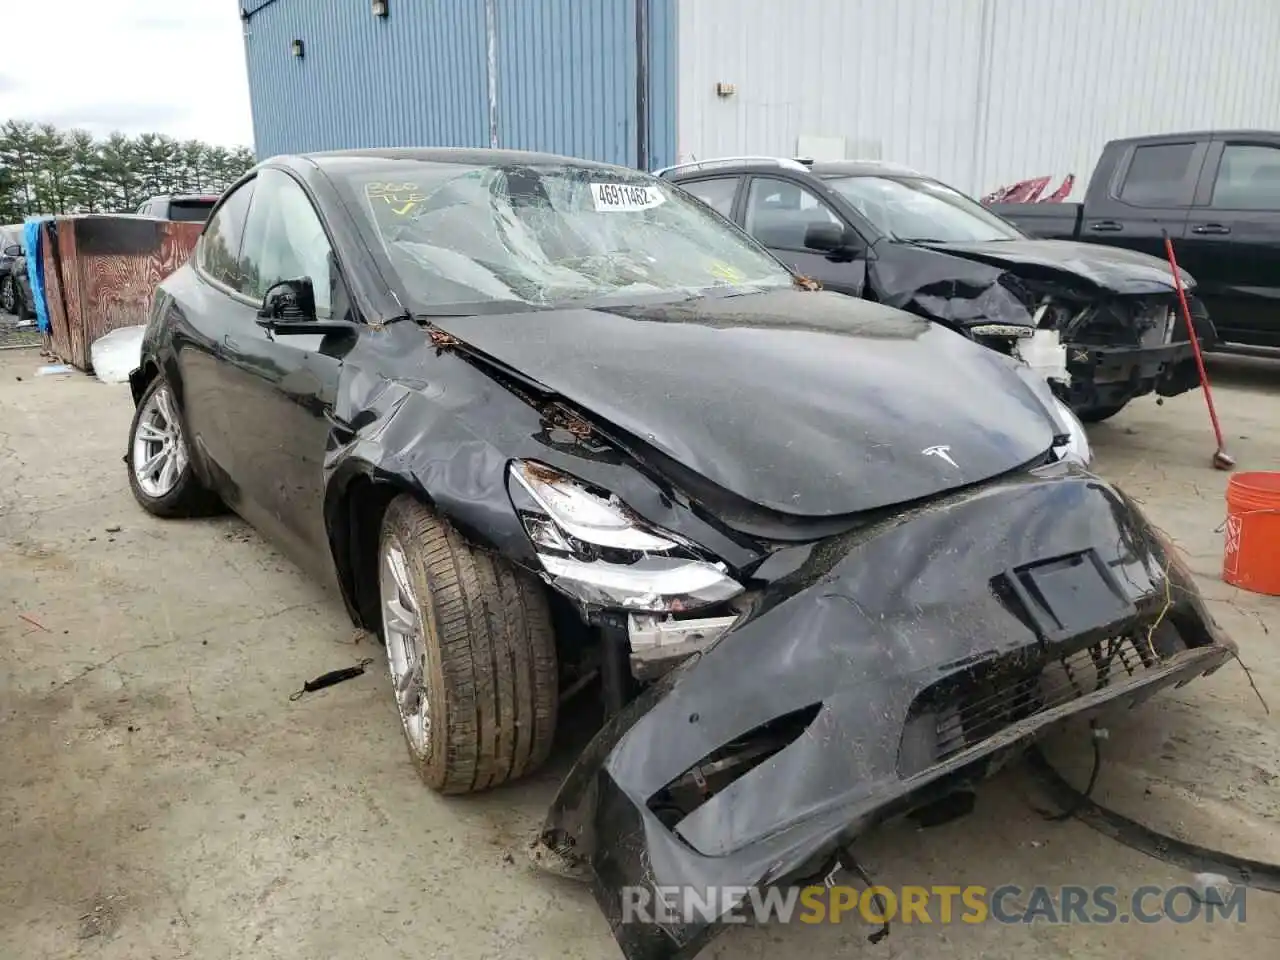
<point x="820" y="168"/>
<point x="863" y="168"/>
<point x="461" y="155"/>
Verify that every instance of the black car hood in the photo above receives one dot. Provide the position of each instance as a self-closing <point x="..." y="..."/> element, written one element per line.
<point x="1114" y="269"/>
<point x="811" y="404"/>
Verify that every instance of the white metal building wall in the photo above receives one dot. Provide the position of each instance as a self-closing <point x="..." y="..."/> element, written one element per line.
<point x="979" y="93"/>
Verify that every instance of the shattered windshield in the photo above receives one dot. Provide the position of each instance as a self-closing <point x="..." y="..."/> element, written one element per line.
<point x="913" y="208"/>
<point x="459" y="235"/>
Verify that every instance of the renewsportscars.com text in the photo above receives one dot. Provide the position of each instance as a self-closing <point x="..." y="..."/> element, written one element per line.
<point x="937" y="904"/>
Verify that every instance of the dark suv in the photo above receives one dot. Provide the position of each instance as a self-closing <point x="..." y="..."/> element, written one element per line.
<point x="187" y="208"/>
<point x="1099" y="323"/>
<point x="15" y="289"/>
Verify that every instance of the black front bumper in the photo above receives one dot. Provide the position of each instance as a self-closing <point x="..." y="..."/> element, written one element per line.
<point x="1110" y="376"/>
<point x="897" y="641"/>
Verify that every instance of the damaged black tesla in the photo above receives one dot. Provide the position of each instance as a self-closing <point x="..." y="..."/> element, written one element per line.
<point x="543" y="420"/>
<point x="1099" y="323"/>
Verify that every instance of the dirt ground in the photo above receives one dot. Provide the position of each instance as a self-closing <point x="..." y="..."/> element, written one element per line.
<point x="160" y="796"/>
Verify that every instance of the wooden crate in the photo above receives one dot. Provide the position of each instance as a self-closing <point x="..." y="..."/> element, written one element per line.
<point x="101" y="271"/>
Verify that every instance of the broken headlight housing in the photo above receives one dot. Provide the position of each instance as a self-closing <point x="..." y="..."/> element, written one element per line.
<point x="595" y="550"/>
<point x="1076" y="448"/>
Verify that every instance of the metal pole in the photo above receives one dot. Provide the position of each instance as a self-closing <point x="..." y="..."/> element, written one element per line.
<point x="491" y="53"/>
<point x="642" y="84"/>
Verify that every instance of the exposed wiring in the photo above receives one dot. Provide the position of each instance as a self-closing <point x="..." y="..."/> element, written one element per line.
<point x="1249" y="673"/>
<point x="1258" y="874"/>
<point x="1097" y="735"/>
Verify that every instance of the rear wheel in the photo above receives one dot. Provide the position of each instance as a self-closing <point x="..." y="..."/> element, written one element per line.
<point x="20" y="303"/>
<point x="471" y="653"/>
<point x="160" y="472"/>
<point x="1099" y="413"/>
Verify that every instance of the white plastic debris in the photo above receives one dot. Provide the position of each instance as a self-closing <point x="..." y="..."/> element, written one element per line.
<point x="1211" y="888"/>
<point x="117" y="354"/>
<point x="53" y="370"/>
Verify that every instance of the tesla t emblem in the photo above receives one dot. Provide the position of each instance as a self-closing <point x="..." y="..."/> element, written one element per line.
<point x="942" y="453"/>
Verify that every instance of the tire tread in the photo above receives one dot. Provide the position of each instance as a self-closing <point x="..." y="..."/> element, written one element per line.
<point x="496" y="654"/>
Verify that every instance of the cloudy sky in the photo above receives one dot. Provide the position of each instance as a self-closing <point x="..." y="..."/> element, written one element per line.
<point x="138" y="66"/>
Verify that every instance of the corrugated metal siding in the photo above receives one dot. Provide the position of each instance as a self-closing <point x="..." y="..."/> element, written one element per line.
<point x="977" y="92"/>
<point x="1120" y="68"/>
<point x="663" y="82"/>
<point x="416" y="78"/>
<point x="565" y="76"/>
<point x="894" y="78"/>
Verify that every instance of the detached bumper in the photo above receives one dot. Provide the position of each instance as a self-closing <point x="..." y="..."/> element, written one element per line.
<point x="918" y="653"/>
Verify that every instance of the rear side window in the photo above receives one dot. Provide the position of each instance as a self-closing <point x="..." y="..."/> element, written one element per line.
<point x="717" y="194"/>
<point x="1160" y="175"/>
<point x="1248" y="178"/>
<point x="190" y="211"/>
<point x="219" y="254"/>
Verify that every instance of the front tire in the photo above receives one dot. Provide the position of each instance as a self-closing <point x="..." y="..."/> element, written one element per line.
<point x="471" y="653"/>
<point x="160" y="472"/>
<point x="8" y="296"/>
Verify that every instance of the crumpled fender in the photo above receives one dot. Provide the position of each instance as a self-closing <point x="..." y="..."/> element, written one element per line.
<point x="953" y="291"/>
<point x="409" y="432"/>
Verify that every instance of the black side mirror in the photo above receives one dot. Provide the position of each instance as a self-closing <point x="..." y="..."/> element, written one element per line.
<point x="13" y="250"/>
<point x="831" y="238"/>
<point x="290" y="301"/>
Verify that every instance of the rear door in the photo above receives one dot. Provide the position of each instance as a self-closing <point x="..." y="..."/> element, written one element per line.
<point x="280" y="388"/>
<point x="205" y="307"/>
<point x="1150" y="192"/>
<point x="777" y="211"/>
<point x="718" y="193"/>
<point x="1232" y="242"/>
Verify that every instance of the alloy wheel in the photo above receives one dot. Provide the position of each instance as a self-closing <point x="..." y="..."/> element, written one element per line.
<point x="159" y="450"/>
<point x="406" y="652"/>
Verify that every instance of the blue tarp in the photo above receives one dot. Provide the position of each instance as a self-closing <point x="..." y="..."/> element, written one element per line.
<point x="35" y="270"/>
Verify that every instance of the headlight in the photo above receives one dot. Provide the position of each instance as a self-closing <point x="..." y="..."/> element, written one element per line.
<point x="1076" y="449"/>
<point x="594" y="549"/>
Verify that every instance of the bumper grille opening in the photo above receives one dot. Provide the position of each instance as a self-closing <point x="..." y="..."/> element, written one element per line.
<point x="969" y="708"/>
<point x="718" y="769"/>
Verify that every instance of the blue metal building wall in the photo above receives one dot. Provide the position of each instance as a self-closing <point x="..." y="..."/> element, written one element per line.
<point x="565" y="77"/>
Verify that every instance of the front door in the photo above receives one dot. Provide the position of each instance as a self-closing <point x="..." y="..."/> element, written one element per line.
<point x="778" y="212"/>
<point x="1232" y="242"/>
<point x="281" y="388"/>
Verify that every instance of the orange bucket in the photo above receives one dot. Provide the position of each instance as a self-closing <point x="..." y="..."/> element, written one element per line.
<point x="1251" y="554"/>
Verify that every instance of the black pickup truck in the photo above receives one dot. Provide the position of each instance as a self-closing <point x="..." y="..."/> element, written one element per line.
<point x="1217" y="194"/>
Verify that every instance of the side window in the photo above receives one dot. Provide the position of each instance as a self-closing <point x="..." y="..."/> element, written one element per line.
<point x="779" y="212"/>
<point x="717" y="194"/>
<point x="1248" y="178"/>
<point x="284" y="240"/>
<point x="1160" y="176"/>
<point x="219" y="251"/>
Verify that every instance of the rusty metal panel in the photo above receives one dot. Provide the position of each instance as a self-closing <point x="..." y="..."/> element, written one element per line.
<point x="102" y="272"/>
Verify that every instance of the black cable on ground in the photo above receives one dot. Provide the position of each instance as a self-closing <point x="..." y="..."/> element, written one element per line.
<point x="1256" y="874"/>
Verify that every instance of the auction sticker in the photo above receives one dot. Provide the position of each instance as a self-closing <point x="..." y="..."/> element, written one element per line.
<point x="625" y="197"/>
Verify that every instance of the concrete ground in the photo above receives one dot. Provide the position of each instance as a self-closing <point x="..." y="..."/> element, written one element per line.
<point x="160" y="796"/>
